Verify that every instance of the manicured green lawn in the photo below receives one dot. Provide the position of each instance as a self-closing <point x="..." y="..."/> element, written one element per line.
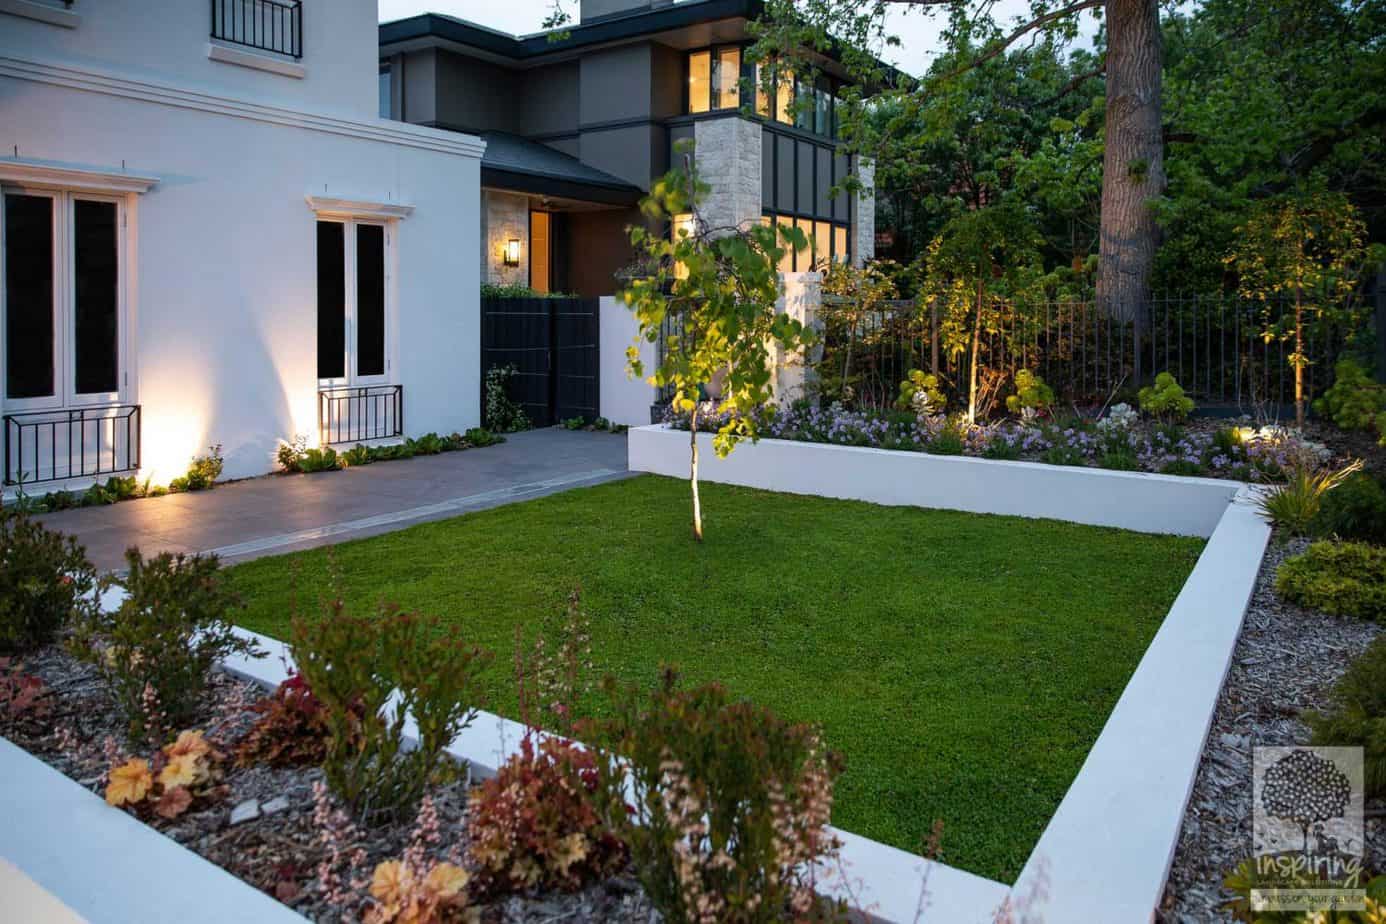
<point x="963" y="664"/>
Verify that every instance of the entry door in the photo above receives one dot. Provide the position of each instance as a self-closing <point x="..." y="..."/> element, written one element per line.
<point x="540" y="252"/>
<point x="353" y="309"/>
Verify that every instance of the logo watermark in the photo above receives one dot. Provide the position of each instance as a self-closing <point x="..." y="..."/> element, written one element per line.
<point x="1308" y="830"/>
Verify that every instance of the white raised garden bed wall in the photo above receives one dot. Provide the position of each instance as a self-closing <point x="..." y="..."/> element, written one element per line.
<point x="1108" y="848"/>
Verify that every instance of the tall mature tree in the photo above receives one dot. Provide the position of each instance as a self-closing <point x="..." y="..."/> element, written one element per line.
<point x="1133" y="163"/>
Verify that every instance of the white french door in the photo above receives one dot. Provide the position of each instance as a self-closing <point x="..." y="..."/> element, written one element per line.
<point x="354" y="311"/>
<point x="62" y="298"/>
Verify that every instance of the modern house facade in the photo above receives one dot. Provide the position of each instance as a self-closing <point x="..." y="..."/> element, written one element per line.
<point x="208" y="236"/>
<point x="579" y="123"/>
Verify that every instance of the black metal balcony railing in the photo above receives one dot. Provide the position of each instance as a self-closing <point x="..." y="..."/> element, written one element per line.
<point x="268" y="25"/>
<point x="45" y="446"/>
<point x="358" y="413"/>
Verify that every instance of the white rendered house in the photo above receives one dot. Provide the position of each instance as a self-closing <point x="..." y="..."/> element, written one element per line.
<point x="209" y="236"/>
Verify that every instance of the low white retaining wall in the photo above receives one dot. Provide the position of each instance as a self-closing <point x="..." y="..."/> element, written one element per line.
<point x="105" y="865"/>
<point x="1126" y="500"/>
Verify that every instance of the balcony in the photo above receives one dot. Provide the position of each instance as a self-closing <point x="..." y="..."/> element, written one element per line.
<point x="360" y="413"/>
<point x="60" y="445"/>
<point x="265" y="25"/>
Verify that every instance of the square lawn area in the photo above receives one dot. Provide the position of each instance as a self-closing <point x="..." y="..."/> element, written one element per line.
<point x="963" y="664"/>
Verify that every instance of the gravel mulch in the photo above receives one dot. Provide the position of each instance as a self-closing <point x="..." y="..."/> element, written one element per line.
<point x="1285" y="662"/>
<point x="260" y="823"/>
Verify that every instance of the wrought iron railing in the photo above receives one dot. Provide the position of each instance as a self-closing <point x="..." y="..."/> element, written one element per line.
<point x="267" y="25"/>
<point x="359" y="413"/>
<point x="46" y="446"/>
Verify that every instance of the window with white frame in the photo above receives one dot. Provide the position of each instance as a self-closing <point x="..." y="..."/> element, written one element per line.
<point x="353" y="302"/>
<point x="62" y="298"/>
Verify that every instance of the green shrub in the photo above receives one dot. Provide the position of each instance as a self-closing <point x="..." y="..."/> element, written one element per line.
<point x="296" y="457"/>
<point x="1354" y="400"/>
<point x="1120" y="460"/>
<point x="574" y="423"/>
<point x="430" y="444"/>
<point x="726" y="803"/>
<point x="1000" y="447"/>
<point x="920" y="393"/>
<point x="480" y="436"/>
<point x="1165" y="400"/>
<point x="157" y="648"/>
<point x="1294" y="505"/>
<point x="503" y="415"/>
<point x="1064" y="453"/>
<point x="1355" y="510"/>
<point x="1342" y="578"/>
<point x="202" y="473"/>
<point x="515" y="290"/>
<point x="1031" y="396"/>
<point x="353" y="665"/>
<point x="45" y="583"/>
<point x="356" y="455"/>
<point x="1356" y="716"/>
<point x="947" y="442"/>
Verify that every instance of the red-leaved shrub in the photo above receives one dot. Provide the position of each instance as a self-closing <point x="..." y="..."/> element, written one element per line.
<point x="534" y="823"/>
<point x="291" y="730"/>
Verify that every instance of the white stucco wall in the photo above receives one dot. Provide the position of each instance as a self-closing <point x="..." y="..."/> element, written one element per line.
<point x="624" y="400"/>
<point x="167" y="41"/>
<point x="222" y="281"/>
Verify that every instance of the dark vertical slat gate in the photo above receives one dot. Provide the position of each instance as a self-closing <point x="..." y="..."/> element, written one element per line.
<point x="552" y="343"/>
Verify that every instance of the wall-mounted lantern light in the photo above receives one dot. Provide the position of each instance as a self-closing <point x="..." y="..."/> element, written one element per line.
<point x="512" y="252"/>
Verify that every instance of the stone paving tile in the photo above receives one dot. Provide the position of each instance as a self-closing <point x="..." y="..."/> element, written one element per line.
<point x="268" y="514"/>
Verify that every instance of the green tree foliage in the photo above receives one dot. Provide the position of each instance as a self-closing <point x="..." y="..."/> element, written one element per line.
<point x="1302" y="255"/>
<point x="979" y="269"/>
<point x="721" y="289"/>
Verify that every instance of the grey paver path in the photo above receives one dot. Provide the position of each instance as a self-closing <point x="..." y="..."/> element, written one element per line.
<point x="267" y="516"/>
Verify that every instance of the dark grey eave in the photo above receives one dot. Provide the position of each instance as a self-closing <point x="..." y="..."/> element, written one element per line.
<point x="518" y="164"/>
<point x="614" y="28"/>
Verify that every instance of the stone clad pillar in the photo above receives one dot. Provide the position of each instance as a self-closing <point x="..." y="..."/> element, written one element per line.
<point x="727" y="154"/>
<point x="864" y="227"/>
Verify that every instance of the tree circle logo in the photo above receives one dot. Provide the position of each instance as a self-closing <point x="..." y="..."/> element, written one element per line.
<point x="1305" y="789"/>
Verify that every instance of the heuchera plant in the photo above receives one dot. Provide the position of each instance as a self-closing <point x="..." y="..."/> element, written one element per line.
<point x="534" y="825"/>
<point x="723" y="804"/>
<point x="292" y="730"/>
<point x="181" y="772"/>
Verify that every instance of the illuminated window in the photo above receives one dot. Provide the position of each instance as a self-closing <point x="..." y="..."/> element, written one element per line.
<point x="762" y="97"/>
<point x="840" y="244"/>
<point x="728" y="76"/>
<point x="784" y="97"/>
<point x="803" y="259"/>
<point x="699" y="81"/>
<point x="822" y="240"/>
<point x="803" y="115"/>
<point x="681" y="226"/>
<point x="787" y="259"/>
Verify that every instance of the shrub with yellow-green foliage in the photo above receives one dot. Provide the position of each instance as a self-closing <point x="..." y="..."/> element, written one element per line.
<point x="1357" y="714"/>
<point x="1342" y="578"/>
<point x="1032" y="395"/>
<point x="1165" y="399"/>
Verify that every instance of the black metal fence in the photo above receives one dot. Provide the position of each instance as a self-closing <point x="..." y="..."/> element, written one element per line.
<point x="46" y="446"/>
<point x="1217" y="348"/>
<point x="552" y="343"/>
<point x="359" y="413"/>
<point x="267" y="25"/>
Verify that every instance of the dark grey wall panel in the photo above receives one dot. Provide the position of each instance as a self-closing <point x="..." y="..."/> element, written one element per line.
<point x="476" y="95"/>
<point x="767" y="170"/>
<point x="822" y="206"/>
<point x="615" y="85"/>
<point x="549" y="103"/>
<point x="840" y="206"/>
<point x="420" y="86"/>
<point x="805" y="168"/>
<point x="625" y="152"/>
<point x="598" y="246"/>
<point x="667" y="79"/>
<point x="784" y="173"/>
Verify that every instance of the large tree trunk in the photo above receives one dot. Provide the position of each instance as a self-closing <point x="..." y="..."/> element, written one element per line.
<point x="1133" y="173"/>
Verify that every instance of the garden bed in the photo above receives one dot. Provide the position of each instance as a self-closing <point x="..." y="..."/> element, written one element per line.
<point x="862" y="618"/>
<point x="259" y="824"/>
<point x="1286" y="660"/>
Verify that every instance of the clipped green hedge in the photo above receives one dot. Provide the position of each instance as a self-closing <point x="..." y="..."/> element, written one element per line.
<point x="1342" y="578"/>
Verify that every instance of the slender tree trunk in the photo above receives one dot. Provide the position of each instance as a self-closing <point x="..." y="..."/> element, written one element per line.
<point x="1133" y="173"/>
<point x="693" y="473"/>
<point x="976" y="348"/>
<point x="1299" y="357"/>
